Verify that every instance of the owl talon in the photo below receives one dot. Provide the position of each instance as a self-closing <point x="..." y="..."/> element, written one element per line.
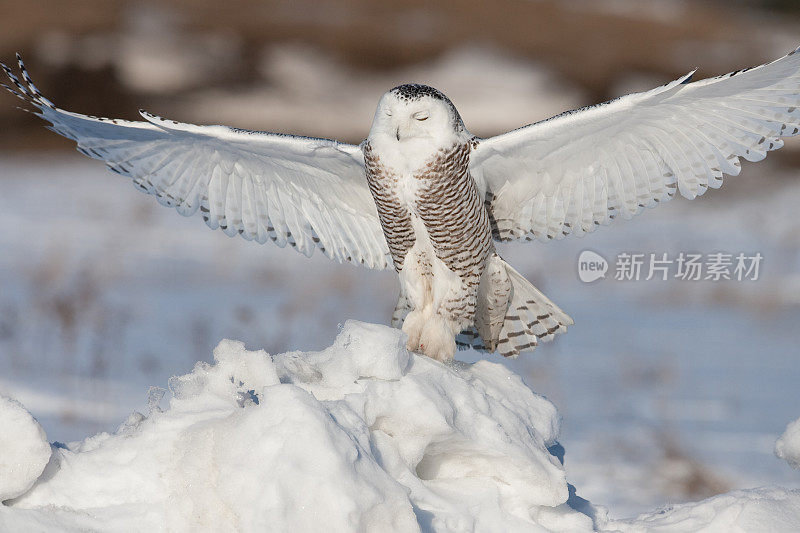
<point x="413" y="326"/>
<point x="437" y="340"/>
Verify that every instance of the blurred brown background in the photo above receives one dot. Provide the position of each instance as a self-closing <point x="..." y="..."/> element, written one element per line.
<point x="111" y="57"/>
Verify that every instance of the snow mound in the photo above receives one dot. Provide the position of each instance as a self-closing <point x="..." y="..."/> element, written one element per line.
<point x="765" y="509"/>
<point x="362" y="436"/>
<point x="24" y="450"/>
<point x="788" y="445"/>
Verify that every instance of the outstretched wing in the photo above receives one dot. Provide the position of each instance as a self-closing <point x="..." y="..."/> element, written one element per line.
<point x="578" y="170"/>
<point x="309" y="193"/>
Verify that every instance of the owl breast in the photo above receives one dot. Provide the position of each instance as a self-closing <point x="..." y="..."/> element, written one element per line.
<point x="450" y="208"/>
<point x="438" y="208"/>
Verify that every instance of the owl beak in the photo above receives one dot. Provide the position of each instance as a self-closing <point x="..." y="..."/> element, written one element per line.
<point x="397" y="133"/>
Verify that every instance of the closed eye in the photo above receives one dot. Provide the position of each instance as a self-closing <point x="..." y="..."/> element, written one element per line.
<point x="421" y="118"/>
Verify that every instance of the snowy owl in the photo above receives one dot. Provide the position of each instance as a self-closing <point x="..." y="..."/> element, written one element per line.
<point x="424" y="195"/>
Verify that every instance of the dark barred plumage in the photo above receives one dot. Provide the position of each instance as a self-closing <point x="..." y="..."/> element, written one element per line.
<point x="452" y="211"/>
<point x="496" y="309"/>
<point x="450" y="207"/>
<point x="395" y="218"/>
<point x="415" y="91"/>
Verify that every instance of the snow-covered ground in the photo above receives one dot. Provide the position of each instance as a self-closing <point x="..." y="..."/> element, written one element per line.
<point x="361" y="436"/>
<point x="788" y="446"/>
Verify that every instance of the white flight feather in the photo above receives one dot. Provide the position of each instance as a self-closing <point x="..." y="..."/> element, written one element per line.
<point x="582" y="169"/>
<point x="306" y="191"/>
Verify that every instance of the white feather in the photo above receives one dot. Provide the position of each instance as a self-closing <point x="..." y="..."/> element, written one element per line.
<point x="306" y="191"/>
<point x="581" y="169"/>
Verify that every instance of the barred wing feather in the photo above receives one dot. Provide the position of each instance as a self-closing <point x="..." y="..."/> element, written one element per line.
<point x="309" y="193"/>
<point x="584" y="168"/>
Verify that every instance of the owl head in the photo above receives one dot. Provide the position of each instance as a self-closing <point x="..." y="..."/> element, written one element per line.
<point x="416" y="112"/>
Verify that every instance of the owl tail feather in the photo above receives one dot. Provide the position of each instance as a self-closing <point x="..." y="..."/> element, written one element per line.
<point x="531" y="318"/>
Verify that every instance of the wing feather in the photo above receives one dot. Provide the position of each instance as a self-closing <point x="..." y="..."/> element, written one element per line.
<point x="310" y="193"/>
<point x="584" y="168"/>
